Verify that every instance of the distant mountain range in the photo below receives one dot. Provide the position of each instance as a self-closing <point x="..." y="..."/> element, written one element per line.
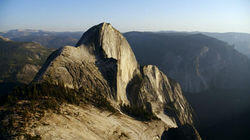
<point x="19" y="62"/>
<point x="197" y="61"/>
<point x="240" y="41"/>
<point x="45" y="38"/>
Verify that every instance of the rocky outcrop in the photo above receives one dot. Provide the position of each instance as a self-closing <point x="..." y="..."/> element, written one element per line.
<point x="4" y="38"/>
<point x="103" y="61"/>
<point x="103" y="53"/>
<point x="164" y="96"/>
<point x="109" y="44"/>
<point x="169" y="95"/>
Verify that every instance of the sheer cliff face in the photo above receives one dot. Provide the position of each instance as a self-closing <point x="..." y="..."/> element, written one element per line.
<point x="108" y="44"/>
<point x="103" y="61"/>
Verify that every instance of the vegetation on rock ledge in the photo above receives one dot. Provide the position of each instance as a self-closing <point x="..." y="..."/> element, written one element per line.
<point x="31" y="101"/>
<point x="139" y="112"/>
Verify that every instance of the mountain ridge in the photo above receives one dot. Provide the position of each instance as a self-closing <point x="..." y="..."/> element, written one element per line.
<point x="104" y="62"/>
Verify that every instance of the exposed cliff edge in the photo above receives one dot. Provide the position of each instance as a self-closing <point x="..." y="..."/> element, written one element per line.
<point x="103" y="63"/>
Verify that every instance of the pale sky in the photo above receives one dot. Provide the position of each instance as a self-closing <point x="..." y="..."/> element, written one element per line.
<point x="127" y="15"/>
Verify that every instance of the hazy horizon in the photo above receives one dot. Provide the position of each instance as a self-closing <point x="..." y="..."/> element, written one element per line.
<point x="123" y="32"/>
<point x="158" y="15"/>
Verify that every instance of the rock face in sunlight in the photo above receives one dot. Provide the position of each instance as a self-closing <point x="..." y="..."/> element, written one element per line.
<point x="106" y="56"/>
<point x="4" y="38"/>
<point x="102" y="61"/>
<point x="109" y="46"/>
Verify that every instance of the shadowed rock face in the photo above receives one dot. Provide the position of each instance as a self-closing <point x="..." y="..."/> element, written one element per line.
<point x="103" y="61"/>
<point x="196" y="61"/>
<point x="184" y="132"/>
